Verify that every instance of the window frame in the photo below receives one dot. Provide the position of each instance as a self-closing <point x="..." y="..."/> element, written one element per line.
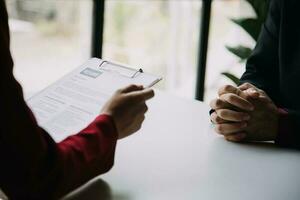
<point x="98" y="29"/>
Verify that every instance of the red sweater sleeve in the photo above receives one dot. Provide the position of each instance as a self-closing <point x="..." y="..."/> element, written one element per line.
<point x="32" y="165"/>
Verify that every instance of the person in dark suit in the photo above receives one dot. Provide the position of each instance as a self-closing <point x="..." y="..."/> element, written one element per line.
<point x="266" y="105"/>
<point x="33" y="165"/>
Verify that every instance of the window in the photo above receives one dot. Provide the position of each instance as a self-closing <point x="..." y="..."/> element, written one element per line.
<point x="224" y="32"/>
<point x="48" y="39"/>
<point x="52" y="37"/>
<point x="161" y="36"/>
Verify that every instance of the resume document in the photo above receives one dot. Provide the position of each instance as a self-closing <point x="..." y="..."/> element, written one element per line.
<point x="70" y="104"/>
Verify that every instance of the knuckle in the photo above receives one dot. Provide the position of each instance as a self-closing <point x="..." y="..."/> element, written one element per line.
<point x="231" y="138"/>
<point x="146" y="108"/>
<point x="231" y="98"/>
<point x="261" y="91"/>
<point x="218" y="119"/>
<point x="219" y="113"/>
<point x="227" y="87"/>
<point x="247" y="84"/>
<point x="219" y="129"/>
<point x="223" y="89"/>
<point x="218" y="103"/>
<point x="131" y="86"/>
<point x="242" y="125"/>
<point x="139" y="126"/>
<point x="222" y="113"/>
<point x="238" y="115"/>
<point x="118" y="91"/>
<point x="234" y="138"/>
<point x="140" y="121"/>
<point x="151" y="91"/>
<point x="142" y="98"/>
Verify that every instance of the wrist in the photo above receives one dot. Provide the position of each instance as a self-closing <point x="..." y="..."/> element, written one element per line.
<point x="112" y="121"/>
<point x="284" y="135"/>
<point x="276" y="125"/>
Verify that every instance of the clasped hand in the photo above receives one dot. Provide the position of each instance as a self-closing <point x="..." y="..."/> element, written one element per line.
<point x="244" y="113"/>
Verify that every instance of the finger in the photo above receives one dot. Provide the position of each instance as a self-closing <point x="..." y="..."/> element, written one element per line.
<point x="141" y="109"/>
<point x="140" y="118"/>
<point x="229" y="128"/>
<point x="219" y="104"/>
<point x="238" y="137"/>
<point x="143" y="95"/>
<point x="251" y="88"/>
<point x="141" y="121"/>
<point x="252" y="92"/>
<point x="234" y="116"/>
<point x="132" y="88"/>
<point x="246" y="86"/>
<point x="255" y="92"/>
<point x="228" y="89"/>
<point x="237" y="101"/>
<point x="233" y="90"/>
<point x="216" y="119"/>
<point x="265" y="99"/>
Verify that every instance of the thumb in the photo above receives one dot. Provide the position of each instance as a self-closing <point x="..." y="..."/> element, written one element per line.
<point x="143" y="95"/>
<point x="253" y="93"/>
<point x="249" y="90"/>
<point x="132" y="88"/>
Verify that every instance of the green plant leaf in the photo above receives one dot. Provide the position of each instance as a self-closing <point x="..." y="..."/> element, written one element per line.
<point x="253" y="27"/>
<point x="240" y="51"/>
<point x="250" y="25"/>
<point x="260" y="7"/>
<point x="232" y="77"/>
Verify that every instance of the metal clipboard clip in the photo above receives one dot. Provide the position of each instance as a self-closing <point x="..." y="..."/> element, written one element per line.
<point x="119" y="69"/>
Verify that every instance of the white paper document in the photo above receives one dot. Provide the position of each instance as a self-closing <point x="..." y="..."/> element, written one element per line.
<point x="70" y="104"/>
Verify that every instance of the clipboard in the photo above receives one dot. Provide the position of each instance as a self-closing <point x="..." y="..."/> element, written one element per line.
<point x="71" y="103"/>
<point x="104" y="63"/>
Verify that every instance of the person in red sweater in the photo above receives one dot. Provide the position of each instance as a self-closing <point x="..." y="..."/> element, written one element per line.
<point x="33" y="166"/>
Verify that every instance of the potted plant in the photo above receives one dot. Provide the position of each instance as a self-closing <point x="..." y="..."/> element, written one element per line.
<point x="253" y="27"/>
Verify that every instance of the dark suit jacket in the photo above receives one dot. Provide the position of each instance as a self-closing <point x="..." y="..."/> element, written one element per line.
<point x="275" y="63"/>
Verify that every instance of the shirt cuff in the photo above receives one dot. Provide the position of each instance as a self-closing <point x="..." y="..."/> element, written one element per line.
<point x="107" y="125"/>
<point x="285" y="135"/>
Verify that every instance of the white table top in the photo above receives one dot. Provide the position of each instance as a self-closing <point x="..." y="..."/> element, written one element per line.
<point x="177" y="156"/>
